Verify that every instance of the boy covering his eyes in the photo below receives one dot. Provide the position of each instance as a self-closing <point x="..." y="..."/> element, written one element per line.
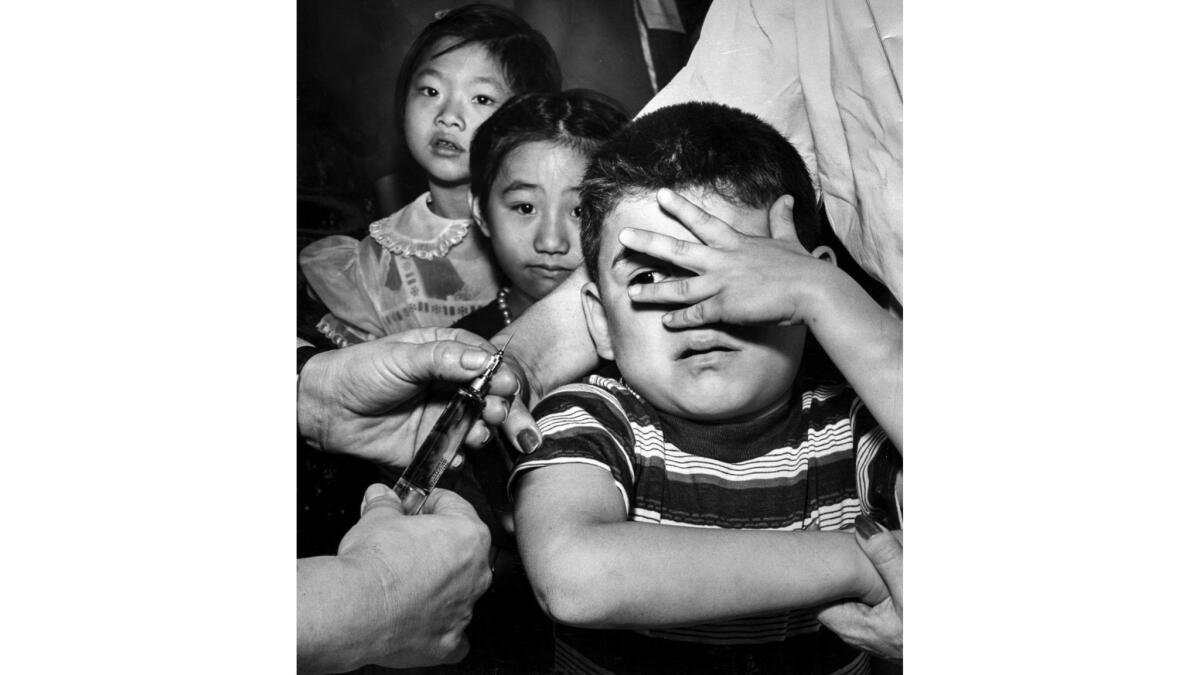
<point x="700" y="499"/>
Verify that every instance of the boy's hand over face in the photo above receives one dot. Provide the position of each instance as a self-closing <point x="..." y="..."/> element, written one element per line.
<point x="740" y="279"/>
<point x="744" y="279"/>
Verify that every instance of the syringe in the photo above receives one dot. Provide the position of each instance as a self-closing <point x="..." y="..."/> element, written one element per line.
<point x="443" y="442"/>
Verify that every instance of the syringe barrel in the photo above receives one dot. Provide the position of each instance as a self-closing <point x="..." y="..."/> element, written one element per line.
<point x="438" y="451"/>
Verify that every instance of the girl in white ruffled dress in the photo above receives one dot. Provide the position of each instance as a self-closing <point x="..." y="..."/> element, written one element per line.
<point x="428" y="264"/>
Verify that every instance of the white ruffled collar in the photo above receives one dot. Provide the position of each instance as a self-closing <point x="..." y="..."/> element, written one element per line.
<point x="416" y="231"/>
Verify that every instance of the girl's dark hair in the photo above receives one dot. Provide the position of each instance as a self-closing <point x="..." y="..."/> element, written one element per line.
<point x="580" y="119"/>
<point x="524" y="55"/>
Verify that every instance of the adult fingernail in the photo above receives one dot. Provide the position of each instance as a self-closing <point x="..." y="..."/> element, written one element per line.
<point x="791" y="202"/>
<point x="625" y="236"/>
<point x="635" y="290"/>
<point x="528" y="440"/>
<point x="867" y="527"/>
<point x="473" y="358"/>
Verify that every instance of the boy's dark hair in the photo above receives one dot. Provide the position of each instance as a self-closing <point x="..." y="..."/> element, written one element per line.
<point x="525" y="56"/>
<point x="580" y="119"/>
<point x="702" y="145"/>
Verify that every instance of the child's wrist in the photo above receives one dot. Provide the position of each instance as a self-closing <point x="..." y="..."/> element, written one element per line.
<point x="802" y="290"/>
<point x="816" y="293"/>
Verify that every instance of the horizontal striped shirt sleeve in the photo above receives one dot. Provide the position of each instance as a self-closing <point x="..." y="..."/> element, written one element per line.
<point x="583" y="424"/>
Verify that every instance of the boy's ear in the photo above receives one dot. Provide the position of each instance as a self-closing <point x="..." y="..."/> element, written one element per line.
<point x="477" y="215"/>
<point x="825" y="253"/>
<point x="597" y="321"/>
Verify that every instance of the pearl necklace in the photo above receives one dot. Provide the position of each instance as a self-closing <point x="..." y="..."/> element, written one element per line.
<point x="502" y="301"/>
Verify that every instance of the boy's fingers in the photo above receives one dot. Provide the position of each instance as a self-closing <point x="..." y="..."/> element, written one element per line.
<point x="699" y="314"/>
<point x="679" y="291"/>
<point x="779" y="220"/>
<point x="686" y="254"/>
<point x="710" y="229"/>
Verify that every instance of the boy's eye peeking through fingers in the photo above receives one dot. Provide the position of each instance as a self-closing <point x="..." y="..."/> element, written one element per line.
<point x="658" y="273"/>
<point x="645" y="277"/>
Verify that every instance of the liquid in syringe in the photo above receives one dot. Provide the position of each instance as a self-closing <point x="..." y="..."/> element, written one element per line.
<point x="444" y="440"/>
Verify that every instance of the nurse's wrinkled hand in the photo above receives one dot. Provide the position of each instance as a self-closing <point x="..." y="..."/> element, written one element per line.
<point x="378" y="400"/>
<point x="877" y="629"/>
<point x="401" y="590"/>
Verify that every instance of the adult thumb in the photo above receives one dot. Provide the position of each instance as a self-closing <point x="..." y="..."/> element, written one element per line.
<point x="780" y="222"/>
<point x="381" y="499"/>
<point x="446" y="503"/>
<point x="887" y="554"/>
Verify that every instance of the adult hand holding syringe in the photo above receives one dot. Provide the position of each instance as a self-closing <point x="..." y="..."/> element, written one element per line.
<point x="375" y="400"/>
<point x="442" y="443"/>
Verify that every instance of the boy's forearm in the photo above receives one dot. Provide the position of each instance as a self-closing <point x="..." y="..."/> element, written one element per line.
<point x="643" y="575"/>
<point x="867" y="344"/>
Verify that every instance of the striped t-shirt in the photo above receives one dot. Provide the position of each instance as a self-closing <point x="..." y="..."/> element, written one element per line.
<point x="812" y="465"/>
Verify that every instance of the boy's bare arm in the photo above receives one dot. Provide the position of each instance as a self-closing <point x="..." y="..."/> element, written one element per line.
<point x="591" y="567"/>
<point x="865" y="341"/>
<point x="773" y="280"/>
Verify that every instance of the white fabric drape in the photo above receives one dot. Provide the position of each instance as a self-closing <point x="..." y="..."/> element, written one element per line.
<point x="827" y="74"/>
